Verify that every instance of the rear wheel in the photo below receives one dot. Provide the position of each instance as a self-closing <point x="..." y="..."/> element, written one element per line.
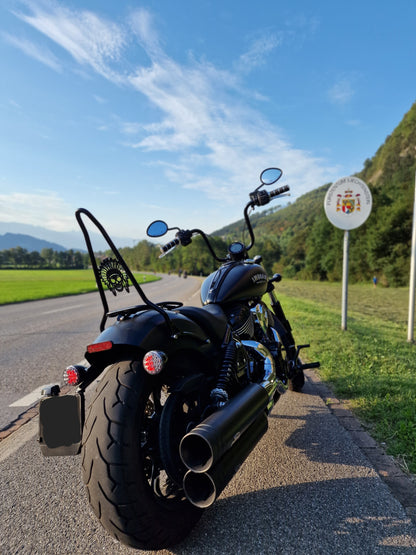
<point x="128" y="488"/>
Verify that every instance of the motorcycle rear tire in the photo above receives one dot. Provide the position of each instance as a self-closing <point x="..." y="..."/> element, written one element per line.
<point x="121" y="463"/>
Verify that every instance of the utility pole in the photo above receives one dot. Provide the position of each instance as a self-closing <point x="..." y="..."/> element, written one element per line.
<point x="412" y="283"/>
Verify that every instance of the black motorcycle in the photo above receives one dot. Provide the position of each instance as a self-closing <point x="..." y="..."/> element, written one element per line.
<point x="183" y="392"/>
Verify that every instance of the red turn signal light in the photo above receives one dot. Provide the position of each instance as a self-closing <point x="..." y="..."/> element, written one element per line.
<point x="74" y="374"/>
<point x="154" y="361"/>
<point x="97" y="347"/>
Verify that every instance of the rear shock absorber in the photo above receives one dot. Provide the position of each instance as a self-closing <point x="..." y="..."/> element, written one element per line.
<point x="219" y="394"/>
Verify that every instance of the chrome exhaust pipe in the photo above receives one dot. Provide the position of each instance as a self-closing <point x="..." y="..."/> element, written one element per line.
<point x="271" y="383"/>
<point x="203" y="488"/>
<point x="204" y="445"/>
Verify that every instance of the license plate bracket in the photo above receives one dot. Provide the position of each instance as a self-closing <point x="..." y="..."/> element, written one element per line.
<point x="61" y="419"/>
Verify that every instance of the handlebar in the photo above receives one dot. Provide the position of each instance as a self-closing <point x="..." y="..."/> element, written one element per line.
<point x="279" y="191"/>
<point x="259" y="197"/>
<point x="169" y="246"/>
<point x="262" y="197"/>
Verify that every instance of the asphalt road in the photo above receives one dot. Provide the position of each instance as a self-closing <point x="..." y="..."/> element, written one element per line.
<point x="308" y="487"/>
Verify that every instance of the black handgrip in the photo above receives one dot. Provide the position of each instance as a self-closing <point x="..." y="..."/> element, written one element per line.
<point x="279" y="191"/>
<point x="171" y="245"/>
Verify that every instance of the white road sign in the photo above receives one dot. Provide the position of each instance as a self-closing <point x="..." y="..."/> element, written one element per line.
<point x="348" y="203"/>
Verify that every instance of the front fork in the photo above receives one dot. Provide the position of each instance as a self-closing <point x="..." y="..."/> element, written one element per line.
<point x="294" y="364"/>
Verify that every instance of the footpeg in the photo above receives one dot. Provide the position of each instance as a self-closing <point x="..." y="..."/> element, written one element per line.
<point x="309" y="365"/>
<point x="296" y="365"/>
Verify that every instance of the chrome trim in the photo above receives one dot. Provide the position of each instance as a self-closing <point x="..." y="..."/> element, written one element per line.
<point x="270" y="381"/>
<point x="275" y="335"/>
<point x="261" y="314"/>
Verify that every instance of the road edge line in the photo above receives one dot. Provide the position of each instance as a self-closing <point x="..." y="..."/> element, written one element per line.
<point x="25" y="417"/>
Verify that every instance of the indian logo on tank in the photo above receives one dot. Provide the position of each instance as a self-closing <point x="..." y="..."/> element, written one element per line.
<point x="348" y="202"/>
<point x="259" y="278"/>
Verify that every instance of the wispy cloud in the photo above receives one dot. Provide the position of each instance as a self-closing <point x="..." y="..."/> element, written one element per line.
<point x="341" y="92"/>
<point x="257" y="54"/>
<point x="131" y="127"/>
<point x="206" y="119"/>
<point x="299" y="29"/>
<point x="99" y="99"/>
<point x="203" y="112"/>
<point x="141" y="23"/>
<point x="44" y="209"/>
<point x="91" y="41"/>
<point x="14" y="104"/>
<point x="41" y="54"/>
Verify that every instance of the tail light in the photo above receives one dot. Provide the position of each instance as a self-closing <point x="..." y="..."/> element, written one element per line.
<point x="98" y="347"/>
<point x="154" y="361"/>
<point x="74" y="374"/>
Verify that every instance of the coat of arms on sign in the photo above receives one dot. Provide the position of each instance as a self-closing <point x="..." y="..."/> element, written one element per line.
<point x="347" y="203"/>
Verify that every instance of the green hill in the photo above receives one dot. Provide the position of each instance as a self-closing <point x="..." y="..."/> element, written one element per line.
<point x="299" y="241"/>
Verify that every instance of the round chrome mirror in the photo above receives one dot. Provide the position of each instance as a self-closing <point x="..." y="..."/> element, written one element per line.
<point x="270" y="175"/>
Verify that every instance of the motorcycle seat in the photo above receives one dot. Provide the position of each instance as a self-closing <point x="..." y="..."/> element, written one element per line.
<point x="211" y="318"/>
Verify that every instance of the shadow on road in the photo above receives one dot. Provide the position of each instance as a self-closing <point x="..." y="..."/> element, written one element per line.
<point x="305" y="489"/>
<point x="319" y="517"/>
<point x="308" y="489"/>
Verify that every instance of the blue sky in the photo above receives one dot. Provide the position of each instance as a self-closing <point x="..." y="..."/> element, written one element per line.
<point x="161" y="109"/>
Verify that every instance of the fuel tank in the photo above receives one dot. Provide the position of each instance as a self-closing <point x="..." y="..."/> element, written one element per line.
<point x="236" y="281"/>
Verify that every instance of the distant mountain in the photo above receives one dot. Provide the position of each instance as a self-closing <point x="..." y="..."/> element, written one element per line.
<point x="64" y="239"/>
<point x="13" y="240"/>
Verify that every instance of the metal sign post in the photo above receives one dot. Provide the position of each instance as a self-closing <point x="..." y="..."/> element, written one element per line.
<point x="345" y="280"/>
<point x="347" y="205"/>
<point x="412" y="283"/>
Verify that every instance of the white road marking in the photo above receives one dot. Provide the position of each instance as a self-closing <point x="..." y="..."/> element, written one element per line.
<point x="36" y="394"/>
<point x="30" y="398"/>
<point x="13" y="442"/>
<point x="63" y="309"/>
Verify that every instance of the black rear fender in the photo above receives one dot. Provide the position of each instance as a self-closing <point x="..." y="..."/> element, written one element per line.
<point x="132" y="337"/>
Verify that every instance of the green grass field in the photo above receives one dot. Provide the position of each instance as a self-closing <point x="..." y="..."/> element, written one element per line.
<point x="371" y="364"/>
<point x="29" y="285"/>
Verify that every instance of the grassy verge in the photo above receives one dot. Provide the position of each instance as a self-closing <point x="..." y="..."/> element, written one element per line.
<point x="371" y="364"/>
<point x="29" y="285"/>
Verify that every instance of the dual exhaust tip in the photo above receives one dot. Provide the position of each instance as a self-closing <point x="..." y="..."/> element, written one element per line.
<point x="215" y="449"/>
